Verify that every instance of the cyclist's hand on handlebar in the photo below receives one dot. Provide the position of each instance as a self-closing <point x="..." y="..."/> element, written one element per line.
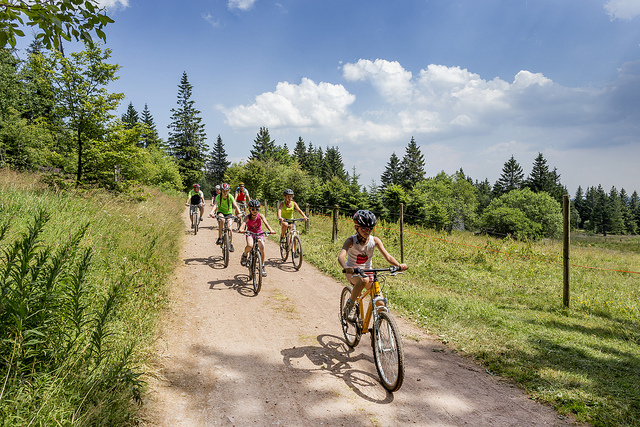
<point x="351" y="270"/>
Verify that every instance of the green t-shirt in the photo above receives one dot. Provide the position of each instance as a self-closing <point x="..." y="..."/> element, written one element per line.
<point x="225" y="207"/>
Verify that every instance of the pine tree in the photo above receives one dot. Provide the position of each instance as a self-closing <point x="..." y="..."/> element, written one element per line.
<point x="315" y="161"/>
<point x="598" y="217"/>
<point x="634" y="207"/>
<point x="392" y="174"/>
<point x="217" y="164"/>
<point x="512" y="178"/>
<point x="580" y="204"/>
<point x="484" y="194"/>
<point x="614" y="213"/>
<point x="300" y="153"/>
<point x="263" y="147"/>
<point x="630" y="225"/>
<point x="333" y="165"/>
<point x="412" y="165"/>
<point x="130" y="117"/>
<point x="150" y="135"/>
<point x="539" y="179"/>
<point x="187" y="136"/>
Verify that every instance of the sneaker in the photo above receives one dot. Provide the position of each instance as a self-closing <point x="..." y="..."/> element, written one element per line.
<point x="283" y="240"/>
<point x="219" y="241"/>
<point x="231" y="247"/>
<point x="243" y="260"/>
<point x="192" y="226"/>
<point x="350" y="312"/>
<point x="264" y="272"/>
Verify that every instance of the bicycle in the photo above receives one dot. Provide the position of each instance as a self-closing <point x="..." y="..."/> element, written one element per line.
<point x="243" y="213"/>
<point x="226" y="239"/>
<point x="388" y="353"/>
<point x="292" y="244"/>
<point x="194" y="214"/>
<point x="254" y="261"/>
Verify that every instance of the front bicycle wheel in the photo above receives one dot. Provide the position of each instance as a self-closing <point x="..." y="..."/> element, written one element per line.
<point x="239" y="221"/>
<point x="284" y="249"/>
<point x="296" y="252"/>
<point x="350" y="330"/>
<point x="225" y="248"/>
<point x="387" y="352"/>
<point x="256" y="272"/>
<point x="196" y="222"/>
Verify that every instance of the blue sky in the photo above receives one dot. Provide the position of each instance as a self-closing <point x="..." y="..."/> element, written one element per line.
<point x="473" y="81"/>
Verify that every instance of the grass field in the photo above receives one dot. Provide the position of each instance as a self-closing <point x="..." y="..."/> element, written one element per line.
<point x="84" y="276"/>
<point x="500" y="303"/>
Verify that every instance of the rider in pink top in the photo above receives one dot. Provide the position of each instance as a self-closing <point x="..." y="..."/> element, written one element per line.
<point x="253" y="223"/>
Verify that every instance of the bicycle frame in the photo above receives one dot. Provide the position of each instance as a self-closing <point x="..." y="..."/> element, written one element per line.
<point x="374" y="292"/>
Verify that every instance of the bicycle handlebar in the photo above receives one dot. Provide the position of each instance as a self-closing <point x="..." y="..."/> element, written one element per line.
<point x="251" y="233"/>
<point x="360" y="271"/>
<point x="291" y="221"/>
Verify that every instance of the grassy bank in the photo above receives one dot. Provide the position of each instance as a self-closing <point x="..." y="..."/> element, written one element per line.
<point x="500" y="302"/>
<point x="84" y="275"/>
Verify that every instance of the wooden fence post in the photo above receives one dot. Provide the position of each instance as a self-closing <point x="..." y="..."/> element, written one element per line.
<point x="306" y="223"/>
<point x="402" y="233"/>
<point x="334" y="232"/>
<point x="565" y="253"/>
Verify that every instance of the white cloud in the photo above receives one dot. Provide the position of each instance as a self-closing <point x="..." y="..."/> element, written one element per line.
<point x="113" y="4"/>
<point x="389" y="78"/>
<point x="241" y="4"/>
<point x="305" y="105"/>
<point x="207" y="17"/>
<point x="622" y="9"/>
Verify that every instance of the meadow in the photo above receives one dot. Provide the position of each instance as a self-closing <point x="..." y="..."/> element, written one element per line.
<point x="500" y="302"/>
<point x="84" y="276"/>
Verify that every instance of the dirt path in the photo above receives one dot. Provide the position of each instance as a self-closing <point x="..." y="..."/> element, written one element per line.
<point x="227" y="357"/>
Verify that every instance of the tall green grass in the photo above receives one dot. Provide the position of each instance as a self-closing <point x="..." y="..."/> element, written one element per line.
<point x="83" y="275"/>
<point x="500" y="302"/>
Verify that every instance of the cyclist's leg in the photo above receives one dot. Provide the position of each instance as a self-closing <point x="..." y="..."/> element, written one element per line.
<point x="261" y="246"/>
<point x="228" y="220"/>
<point x="247" y="248"/>
<point x="220" y="225"/>
<point x="359" y="283"/>
<point x="283" y="230"/>
<point x="201" y="210"/>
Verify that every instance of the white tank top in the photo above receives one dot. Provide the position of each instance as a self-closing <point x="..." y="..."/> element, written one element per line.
<point x="360" y="255"/>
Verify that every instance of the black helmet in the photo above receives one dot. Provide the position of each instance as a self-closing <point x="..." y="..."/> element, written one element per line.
<point x="254" y="203"/>
<point x="365" y="218"/>
<point x="288" y="191"/>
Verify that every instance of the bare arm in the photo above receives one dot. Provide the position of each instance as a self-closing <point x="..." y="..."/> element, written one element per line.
<point x="299" y="210"/>
<point x="279" y="213"/>
<point x="342" y="257"/>
<point x="390" y="259"/>
<point x="264" y="221"/>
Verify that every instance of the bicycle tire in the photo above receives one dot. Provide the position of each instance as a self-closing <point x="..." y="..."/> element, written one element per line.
<point x="296" y="252"/>
<point x="196" y="223"/>
<point x="239" y="222"/>
<point x="284" y="249"/>
<point x="256" y="268"/>
<point x="225" y="248"/>
<point x="388" y="353"/>
<point x="351" y="331"/>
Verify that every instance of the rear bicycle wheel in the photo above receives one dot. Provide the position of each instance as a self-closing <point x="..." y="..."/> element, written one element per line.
<point x="387" y="352"/>
<point x="284" y="248"/>
<point x="225" y="248"/>
<point x="256" y="272"/>
<point x="296" y="252"/>
<point x="350" y="330"/>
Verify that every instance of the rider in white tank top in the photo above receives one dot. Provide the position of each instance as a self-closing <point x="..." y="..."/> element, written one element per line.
<point x="360" y="255"/>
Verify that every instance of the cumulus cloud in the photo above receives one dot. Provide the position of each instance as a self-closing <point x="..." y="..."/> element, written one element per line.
<point x="622" y="9"/>
<point x="241" y="4"/>
<point x="389" y="78"/>
<point x="305" y="105"/>
<point x="113" y="4"/>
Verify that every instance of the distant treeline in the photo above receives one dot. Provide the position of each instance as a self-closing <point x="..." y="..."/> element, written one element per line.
<point x="56" y="114"/>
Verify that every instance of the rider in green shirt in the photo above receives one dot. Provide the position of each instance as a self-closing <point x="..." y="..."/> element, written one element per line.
<point x="223" y="206"/>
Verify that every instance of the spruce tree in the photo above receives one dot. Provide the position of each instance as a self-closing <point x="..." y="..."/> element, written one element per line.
<point x="539" y="179"/>
<point x="300" y="153"/>
<point x="130" y="117"/>
<point x="217" y="164"/>
<point x="630" y="224"/>
<point x="333" y="165"/>
<point x="150" y="135"/>
<point x="614" y="213"/>
<point x="412" y="165"/>
<point x="187" y="136"/>
<point x="580" y="204"/>
<point x="263" y="147"/>
<point x="634" y="207"/>
<point x="512" y="178"/>
<point x="392" y="174"/>
<point x="484" y="194"/>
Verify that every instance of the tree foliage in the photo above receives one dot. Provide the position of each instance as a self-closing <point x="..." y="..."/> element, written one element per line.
<point x="512" y="178"/>
<point x="187" y="136"/>
<point x="55" y="20"/>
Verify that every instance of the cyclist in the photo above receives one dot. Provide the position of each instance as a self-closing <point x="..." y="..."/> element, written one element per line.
<point x="223" y="206"/>
<point x="253" y="222"/>
<point x="196" y="197"/>
<point x="285" y="211"/>
<point x="358" y="251"/>
<point x="242" y="195"/>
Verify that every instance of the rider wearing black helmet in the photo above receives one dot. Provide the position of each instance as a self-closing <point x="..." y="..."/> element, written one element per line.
<point x="285" y="211"/>
<point x="254" y="222"/>
<point x="357" y="252"/>
<point x="196" y="197"/>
